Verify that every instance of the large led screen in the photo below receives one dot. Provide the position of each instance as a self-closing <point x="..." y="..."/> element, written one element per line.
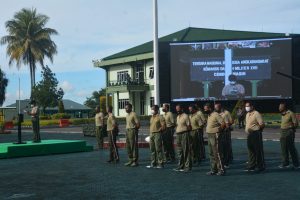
<point x="246" y="69"/>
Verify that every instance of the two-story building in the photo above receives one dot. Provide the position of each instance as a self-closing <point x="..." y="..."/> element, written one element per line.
<point x="129" y="74"/>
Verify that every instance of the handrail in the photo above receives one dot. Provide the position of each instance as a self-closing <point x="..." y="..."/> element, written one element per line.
<point x="127" y="82"/>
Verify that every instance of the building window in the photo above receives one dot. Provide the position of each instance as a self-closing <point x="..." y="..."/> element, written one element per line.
<point x="151" y="73"/>
<point x="122" y="76"/>
<point x="151" y="101"/>
<point x="139" y="73"/>
<point x="122" y="103"/>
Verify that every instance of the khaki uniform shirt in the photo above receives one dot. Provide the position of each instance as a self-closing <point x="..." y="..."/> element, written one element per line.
<point x="196" y="121"/>
<point x="131" y="120"/>
<point x="226" y="116"/>
<point x="183" y="122"/>
<point x="169" y="118"/>
<point x="202" y="117"/>
<point x="156" y="123"/>
<point x="288" y="120"/>
<point x="111" y="122"/>
<point x="253" y="120"/>
<point x="99" y="119"/>
<point x="34" y="111"/>
<point x="214" y="122"/>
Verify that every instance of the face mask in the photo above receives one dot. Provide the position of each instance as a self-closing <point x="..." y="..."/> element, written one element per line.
<point x="248" y="109"/>
<point x="206" y="111"/>
<point x="152" y="112"/>
<point x="31" y="106"/>
<point x="232" y="82"/>
<point x="282" y="112"/>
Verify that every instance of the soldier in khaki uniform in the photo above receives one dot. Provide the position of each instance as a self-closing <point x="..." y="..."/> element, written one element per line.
<point x="254" y="128"/>
<point x="157" y="126"/>
<point x="99" y="122"/>
<point x="289" y="123"/>
<point x="112" y="130"/>
<point x="197" y="125"/>
<point x="228" y="155"/>
<point x="183" y="140"/>
<point x="214" y="129"/>
<point x="132" y="128"/>
<point x="201" y="133"/>
<point x="167" y="135"/>
<point x="34" y="113"/>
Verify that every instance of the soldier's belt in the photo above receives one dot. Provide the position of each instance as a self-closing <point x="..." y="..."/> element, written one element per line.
<point x="286" y="129"/>
<point x="179" y="133"/>
<point x="170" y="127"/>
<point x="156" y="132"/>
<point x="198" y="129"/>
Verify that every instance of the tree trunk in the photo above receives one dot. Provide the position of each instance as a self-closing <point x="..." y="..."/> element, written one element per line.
<point x="31" y="78"/>
<point x="32" y="74"/>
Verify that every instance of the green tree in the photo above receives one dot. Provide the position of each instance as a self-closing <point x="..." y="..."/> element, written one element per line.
<point x="94" y="100"/>
<point x="3" y="85"/>
<point x="28" y="40"/>
<point x="46" y="92"/>
<point x="61" y="107"/>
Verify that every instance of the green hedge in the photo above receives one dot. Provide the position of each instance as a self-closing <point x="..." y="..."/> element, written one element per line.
<point x="45" y="117"/>
<point x="28" y="122"/>
<point x="61" y="116"/>
<point x="82" y="121"/>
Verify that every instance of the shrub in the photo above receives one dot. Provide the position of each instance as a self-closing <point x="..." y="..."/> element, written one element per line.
<point x="82" y="121"/>
<point x="45" y="117"/>
<point x="61" y="107"/>
<point x="61" y="116"/>
<point x="1" y="126"/>
<point x="49" y="122"/>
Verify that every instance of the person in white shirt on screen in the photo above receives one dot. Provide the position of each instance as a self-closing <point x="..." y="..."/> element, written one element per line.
<point x="233" y="89"/>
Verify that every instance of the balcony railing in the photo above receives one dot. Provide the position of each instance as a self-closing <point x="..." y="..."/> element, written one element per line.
<point x="128" y="82"/>
<point x="125" y="86"/>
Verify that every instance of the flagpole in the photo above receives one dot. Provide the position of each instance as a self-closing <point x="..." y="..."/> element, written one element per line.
<point x="155" y="54"/>
<point x="20" y="117"/>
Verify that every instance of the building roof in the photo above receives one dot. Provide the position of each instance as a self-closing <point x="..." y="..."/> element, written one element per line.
<point x="71" y="105"/>
<point x="191" y="34"/>
<point x="68" y="105"/>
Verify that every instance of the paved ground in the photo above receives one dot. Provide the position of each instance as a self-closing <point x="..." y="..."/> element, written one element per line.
<point x="269" y="133"/>
<point x="87" y="176"/>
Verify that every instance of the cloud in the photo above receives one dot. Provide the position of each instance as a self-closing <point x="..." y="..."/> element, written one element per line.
<point x="11" y="98"/>
<point x="66" y="86"/>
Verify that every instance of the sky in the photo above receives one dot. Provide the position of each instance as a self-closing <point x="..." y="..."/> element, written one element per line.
<point x="93" y="29"/>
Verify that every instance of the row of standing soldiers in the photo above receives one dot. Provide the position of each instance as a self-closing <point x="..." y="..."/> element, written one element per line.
<point x="189" y="129"/>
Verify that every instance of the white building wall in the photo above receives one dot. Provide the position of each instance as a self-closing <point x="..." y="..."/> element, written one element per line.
<point x="112" y="76"/>
<point x="113" y="71"/>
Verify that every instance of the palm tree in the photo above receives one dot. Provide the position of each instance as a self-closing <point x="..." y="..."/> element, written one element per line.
<point x="28" y="40"/>
<point x="3" y="85"/>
